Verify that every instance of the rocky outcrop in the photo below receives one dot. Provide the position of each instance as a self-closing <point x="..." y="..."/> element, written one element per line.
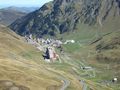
<point x="51" y="55"/>
<point x="62" y="16"/>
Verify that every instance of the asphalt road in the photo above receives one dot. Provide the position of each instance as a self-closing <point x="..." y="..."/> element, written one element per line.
<point x="66" y="83"/>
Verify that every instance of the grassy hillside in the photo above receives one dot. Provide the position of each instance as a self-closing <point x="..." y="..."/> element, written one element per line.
<point x="102" y="55"/>
<point x="18" y="63"/>
<point x="22" y="66"/>
<point x="107" y="58"/>
<point x="8" y="16"/>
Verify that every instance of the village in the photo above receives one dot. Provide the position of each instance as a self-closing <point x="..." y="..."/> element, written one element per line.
<point x="48" y="47"/>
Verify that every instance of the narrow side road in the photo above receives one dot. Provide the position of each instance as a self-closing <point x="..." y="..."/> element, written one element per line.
<point x="66" y="83"/>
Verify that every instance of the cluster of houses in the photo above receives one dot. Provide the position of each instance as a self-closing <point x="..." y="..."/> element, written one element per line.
<point x="50" y="42"/>
<point x="47" y="46"/>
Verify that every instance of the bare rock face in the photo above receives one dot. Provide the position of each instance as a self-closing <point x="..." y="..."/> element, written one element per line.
<point x="51" y="54"/>
<point x="61" y="16"/>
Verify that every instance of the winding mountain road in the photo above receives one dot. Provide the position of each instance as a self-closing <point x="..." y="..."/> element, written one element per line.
<point x="66" y="83"/>
<point x="64" y="80"/>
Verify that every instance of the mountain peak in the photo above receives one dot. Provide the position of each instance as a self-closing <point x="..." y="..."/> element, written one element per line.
<point x="61" y="16"/>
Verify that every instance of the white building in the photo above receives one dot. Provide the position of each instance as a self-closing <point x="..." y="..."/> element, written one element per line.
<point x="69" y="41"/>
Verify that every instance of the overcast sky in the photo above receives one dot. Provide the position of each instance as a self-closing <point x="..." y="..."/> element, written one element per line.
<point x="22" y="3"/>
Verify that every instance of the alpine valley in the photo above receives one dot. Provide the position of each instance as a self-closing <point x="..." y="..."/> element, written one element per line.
<point x="63" y="45"/>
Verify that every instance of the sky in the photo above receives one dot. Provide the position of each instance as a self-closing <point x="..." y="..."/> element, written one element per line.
<point x="23" y="3"/>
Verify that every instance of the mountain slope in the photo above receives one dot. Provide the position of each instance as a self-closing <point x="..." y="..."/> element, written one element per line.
<point x="107" y="57"/>
<point x="18" y="64"/>
<point x="22" y="9"/>
<point x="61" y="16"/>
<point x="8" y="16"/>
<point x="101" y="56"/>
<point x="22" y="67"/>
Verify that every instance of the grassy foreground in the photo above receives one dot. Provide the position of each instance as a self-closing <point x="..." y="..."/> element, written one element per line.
<point x="23" y="65"/>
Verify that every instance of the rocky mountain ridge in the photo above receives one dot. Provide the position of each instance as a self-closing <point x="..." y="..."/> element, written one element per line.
<point x="61" y="16"/>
